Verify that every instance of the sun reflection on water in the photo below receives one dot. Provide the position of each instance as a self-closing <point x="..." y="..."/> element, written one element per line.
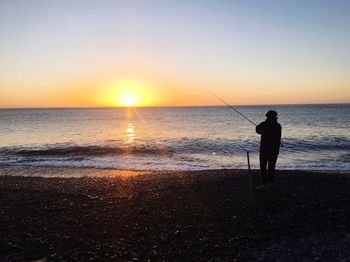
<point x="130" y="130"/>
<point x="130" y="133"/>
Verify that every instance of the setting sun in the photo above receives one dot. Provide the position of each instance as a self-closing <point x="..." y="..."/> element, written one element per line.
<point x="129" y="99"/>
<point x="127" y="92"/>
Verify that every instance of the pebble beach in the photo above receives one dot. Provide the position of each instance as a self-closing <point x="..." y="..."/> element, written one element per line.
<point x="172" y="216"/>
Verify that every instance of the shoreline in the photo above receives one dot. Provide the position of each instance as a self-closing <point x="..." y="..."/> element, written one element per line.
<point x="81" y="172"/>
<point x="201" y="215"/>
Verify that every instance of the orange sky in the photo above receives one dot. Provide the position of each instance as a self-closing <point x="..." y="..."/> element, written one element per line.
<point x="164" y="89"/>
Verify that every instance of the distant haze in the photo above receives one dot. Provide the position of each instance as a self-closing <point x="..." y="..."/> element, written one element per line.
<point x="173" y="53"/>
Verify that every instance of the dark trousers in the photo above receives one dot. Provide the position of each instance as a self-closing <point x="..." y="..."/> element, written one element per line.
<point x="267" y="167"/>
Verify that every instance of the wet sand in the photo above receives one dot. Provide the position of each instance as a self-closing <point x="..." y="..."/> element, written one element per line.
<point x="176" y="216"/>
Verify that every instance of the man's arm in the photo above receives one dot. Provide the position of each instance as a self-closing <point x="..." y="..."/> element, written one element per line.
<point x="260" y="128"/>
<point x="280" y="133"/>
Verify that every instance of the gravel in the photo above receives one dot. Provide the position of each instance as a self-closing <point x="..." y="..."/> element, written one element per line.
<point x="173" y="216"/>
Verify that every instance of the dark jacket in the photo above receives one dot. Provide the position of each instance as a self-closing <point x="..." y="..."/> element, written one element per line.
<point x="270" y="132"/>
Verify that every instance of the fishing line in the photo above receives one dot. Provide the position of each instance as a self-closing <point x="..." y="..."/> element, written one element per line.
<point x="234" y="109"/>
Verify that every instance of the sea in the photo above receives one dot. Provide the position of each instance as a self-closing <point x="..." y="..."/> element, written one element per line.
<point x="314" y="137"/>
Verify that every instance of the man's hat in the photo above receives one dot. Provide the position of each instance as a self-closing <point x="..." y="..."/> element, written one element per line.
<point x="271" y="114"/>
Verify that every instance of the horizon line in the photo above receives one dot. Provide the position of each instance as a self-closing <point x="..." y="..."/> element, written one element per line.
<point x="112" y="107"/>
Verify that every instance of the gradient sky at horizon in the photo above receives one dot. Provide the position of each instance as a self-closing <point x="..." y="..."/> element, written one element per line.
<point x="74" y="53"/>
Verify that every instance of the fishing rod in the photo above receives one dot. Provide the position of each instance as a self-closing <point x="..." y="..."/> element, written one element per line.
<point x="234" y="109"/>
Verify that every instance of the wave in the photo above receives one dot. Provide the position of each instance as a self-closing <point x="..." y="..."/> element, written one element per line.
<point x="87" y="151"/>
<point x="180" y="154"/>
<point x="169" y="148"/>
<point x="316" y="144"/>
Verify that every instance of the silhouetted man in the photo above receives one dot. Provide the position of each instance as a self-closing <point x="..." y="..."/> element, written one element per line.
<point x="270" y="131"/>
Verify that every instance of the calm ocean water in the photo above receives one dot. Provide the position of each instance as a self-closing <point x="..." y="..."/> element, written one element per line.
<point x="314" y="137"/>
